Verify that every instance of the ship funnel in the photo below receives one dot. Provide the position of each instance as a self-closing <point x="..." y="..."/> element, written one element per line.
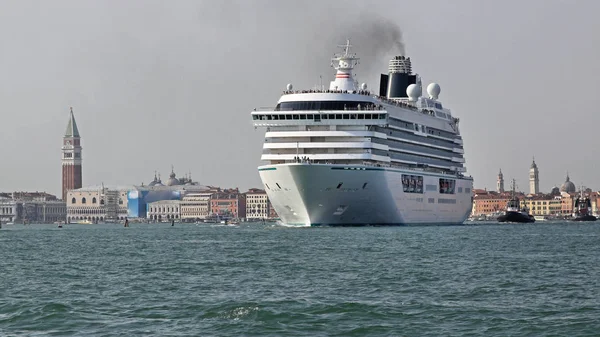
<point x="399" y="77"/>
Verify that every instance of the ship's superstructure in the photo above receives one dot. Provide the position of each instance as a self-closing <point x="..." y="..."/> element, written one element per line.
<point x="346" y="156"/>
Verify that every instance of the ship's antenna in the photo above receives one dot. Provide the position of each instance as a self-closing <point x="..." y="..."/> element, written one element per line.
<point x="346" y="47"/>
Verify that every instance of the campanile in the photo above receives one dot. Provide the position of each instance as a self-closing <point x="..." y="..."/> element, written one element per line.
<point x="71" y="158"/>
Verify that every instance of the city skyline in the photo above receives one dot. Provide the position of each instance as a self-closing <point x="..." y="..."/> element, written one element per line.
<point x="154" y="84"/>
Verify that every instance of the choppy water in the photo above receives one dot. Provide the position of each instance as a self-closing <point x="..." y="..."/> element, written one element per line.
<point x="266" y="280"/>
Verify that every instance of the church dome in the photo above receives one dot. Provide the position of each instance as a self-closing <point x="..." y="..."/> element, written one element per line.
<point x="555" y="191"/>
<point x="173" y="181"/>
<point x="155" y="181"/>
<point x="568" y="186"/>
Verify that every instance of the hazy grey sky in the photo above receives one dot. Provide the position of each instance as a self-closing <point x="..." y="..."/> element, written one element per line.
<point x="155" y="83"/>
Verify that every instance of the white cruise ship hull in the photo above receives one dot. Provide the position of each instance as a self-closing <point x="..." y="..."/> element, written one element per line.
<point x="353" y="195"/>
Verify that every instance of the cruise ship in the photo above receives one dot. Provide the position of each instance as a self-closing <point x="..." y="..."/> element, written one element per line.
<point x="348" y="156"/>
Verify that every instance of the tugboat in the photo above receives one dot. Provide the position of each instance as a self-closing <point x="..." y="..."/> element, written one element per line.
<point x="583" y="204"/>
<point x="514" y="212"/>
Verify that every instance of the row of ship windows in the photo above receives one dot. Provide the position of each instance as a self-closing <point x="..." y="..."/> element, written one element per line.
<point x="318" y="117"/>
<point x="440" y="200"/>
<point x="409" y="135"/>
<point x="420" y="128"/>
<point x="414" y="184"/>
<point x="326" y="105"/>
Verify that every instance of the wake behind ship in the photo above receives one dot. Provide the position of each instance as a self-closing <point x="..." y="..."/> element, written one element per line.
<point x="347" y="156"/>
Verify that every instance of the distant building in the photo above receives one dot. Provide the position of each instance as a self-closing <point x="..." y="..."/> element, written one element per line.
<point x="228" y="203"/>
<point x="175" y="188"/>
<point x="98" y="203"/>
<point x="543" y="204"/>
<point x="488" y="202"/>
<point x="71" y="158"/>
<point x="10" y="210"/>
<point x="164" y="210"/>
<point x="534" y="179"/>
<point x="568" y="186"/>
<point x="257" y="205"/>
<point x="38" y="207"/>
<point x="195" y="206"/>
<point x="500" y="182"/>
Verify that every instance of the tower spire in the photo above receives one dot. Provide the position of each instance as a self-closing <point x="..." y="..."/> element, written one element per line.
<point x="72" y="130"/>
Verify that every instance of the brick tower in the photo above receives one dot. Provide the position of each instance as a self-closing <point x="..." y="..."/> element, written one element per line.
<point x="71" y="158"/>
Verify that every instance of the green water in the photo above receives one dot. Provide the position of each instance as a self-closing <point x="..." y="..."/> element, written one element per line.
<point x="267" y="280"/>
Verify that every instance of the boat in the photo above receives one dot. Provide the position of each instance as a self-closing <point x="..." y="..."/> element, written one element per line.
<point x="348" y="156"/>
<point x="84" y="222"/>
<point x="514" y="212"/>
<point x="582" y="207"/>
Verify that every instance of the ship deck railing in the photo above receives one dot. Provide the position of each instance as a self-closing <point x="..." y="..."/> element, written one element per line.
<point x="327" y="91"/>
<point x="366" y="108"/>
<point x="307" y="160"/>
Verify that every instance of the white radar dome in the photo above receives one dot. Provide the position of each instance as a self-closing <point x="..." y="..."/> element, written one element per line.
<point x="363" y="86"/>
<point x="413" y="92"/>
<point x="289" y="87"/>
<point x="433" y="89"/>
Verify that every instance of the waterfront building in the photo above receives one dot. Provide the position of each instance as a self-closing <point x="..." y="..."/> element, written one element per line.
<point x="31" y="207"/>
<point x="138" y="197"/>
<point x="228" y="203"/>
<point x="195" y="206"/>
<point x="98" y="203"/>
<point x="257" y="205"/>
<point x="488" y="202"/>
<point x="534" y="178"/>
<point x="71" y="158"/>
<point x="543" y="204"/>
<point x="10" y="210"/>
<point x="164" y="210"/>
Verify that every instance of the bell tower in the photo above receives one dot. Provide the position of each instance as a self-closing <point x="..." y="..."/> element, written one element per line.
<point x="500" y="183"/>
<point x="534" y="178"/>
<point x="71" y="158"/>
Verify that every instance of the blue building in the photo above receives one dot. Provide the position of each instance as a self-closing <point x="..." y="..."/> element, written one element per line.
<point x="140" y="196"/>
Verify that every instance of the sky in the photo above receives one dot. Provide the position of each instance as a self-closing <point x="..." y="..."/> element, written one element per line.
<point x="160" y="83"/>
